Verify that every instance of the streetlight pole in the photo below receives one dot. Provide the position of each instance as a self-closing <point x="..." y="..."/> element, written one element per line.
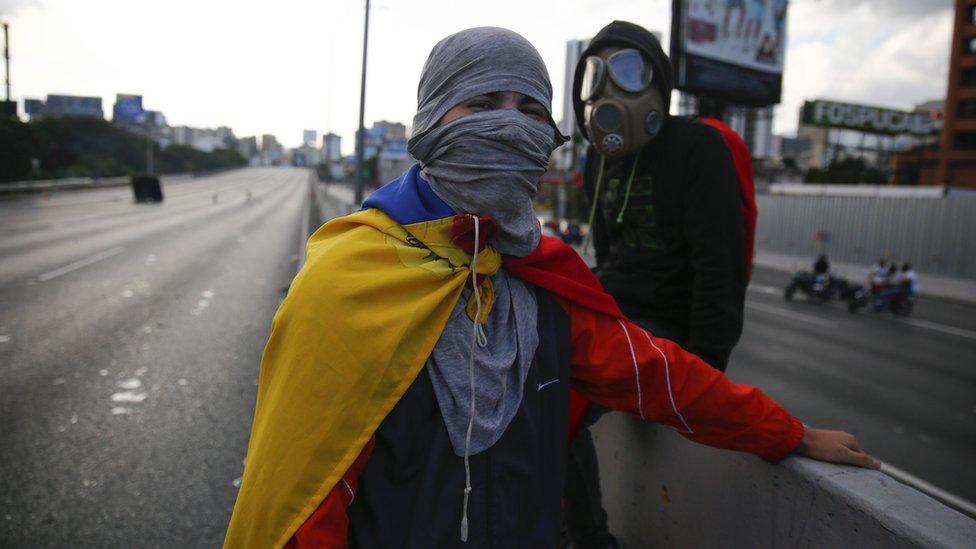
<point x="360" y="134"/>
<point x="6" y="57"/>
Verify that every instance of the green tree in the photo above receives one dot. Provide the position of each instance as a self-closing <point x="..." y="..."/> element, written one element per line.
<point x="16" y="150"/>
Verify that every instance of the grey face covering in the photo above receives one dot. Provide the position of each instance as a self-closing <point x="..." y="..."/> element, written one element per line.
<point x="487" y="163"/>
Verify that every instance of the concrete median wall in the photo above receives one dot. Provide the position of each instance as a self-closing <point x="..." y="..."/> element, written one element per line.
<point x="75" y="183"/>
<point x="934" y="234"/>
<point x="661" y="490"/>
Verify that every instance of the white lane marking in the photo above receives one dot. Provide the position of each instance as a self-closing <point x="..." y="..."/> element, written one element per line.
<point x="4" y="338"/>
<point x="930" y="489"/>
<point x="919" y="323"/>
<point x="202" y="304"/>
<point x="129" y="396"/>
<point x="764" y="289"/>
<point x="128" y="384"/>
<point x="81" y="263"/>
<point x="121" y="411"/>
<point x="792" y="315"/>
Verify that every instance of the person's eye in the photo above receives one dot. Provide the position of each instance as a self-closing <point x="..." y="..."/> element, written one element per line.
<point x="480" y="104"/>
<point x="537" y="113"/>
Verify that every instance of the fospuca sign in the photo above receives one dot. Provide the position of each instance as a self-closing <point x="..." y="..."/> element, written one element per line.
<point x="867" y="119"/>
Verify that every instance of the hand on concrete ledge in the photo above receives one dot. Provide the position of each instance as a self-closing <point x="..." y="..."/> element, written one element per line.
<point x="835" y="446"/>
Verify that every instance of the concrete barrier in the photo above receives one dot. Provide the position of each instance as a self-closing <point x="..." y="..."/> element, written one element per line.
<point x="661" y="490"/>
<point x="72" y="183"/>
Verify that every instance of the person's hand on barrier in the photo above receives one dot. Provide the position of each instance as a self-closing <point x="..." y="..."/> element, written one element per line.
<point x="835" y="446"/>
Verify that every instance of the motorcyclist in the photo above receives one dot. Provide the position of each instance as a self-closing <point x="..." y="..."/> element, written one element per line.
<point x="821" y="273"/>
<point x="907" y="282"/>
<point x="879" y="273"/>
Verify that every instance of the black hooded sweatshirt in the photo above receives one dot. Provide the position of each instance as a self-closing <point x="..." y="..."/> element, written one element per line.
<point x="675" y="255"/>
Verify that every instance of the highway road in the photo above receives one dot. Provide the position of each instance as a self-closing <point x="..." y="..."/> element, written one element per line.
<point x="130" y="337"/>
<point x="905" y="387"/>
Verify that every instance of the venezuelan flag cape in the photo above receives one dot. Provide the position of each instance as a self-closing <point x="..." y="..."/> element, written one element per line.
<point x="359" y="321"/>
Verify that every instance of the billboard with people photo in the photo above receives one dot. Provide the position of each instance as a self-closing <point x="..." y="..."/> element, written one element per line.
<point x="730" y="49"/>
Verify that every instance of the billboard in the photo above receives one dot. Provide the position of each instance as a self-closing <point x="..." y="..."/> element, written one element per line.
<point x="73" y="105"/>
<point x="34" y="107"/>
<point x="730" y="49"/>
<point x="867" y="119"/>
<point x="128" y="108"/>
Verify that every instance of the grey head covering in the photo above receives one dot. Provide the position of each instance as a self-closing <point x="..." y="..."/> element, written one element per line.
<point x="487" y="163"/>
<point x="476" y="61"/>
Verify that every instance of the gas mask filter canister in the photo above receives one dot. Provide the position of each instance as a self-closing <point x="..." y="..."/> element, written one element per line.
<point x="623" y="111"/>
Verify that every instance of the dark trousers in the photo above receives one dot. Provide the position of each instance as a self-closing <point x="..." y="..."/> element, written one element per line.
<point x="586" y="520"/>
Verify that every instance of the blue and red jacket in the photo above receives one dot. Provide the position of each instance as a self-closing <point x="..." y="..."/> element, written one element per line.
<point x="405" y="487"/>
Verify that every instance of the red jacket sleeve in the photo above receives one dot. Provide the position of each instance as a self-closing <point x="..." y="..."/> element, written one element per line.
<point x="328" y="526"/>
<point x="617" y="364"/>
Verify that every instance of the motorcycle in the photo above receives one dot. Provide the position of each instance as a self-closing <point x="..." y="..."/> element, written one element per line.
<point x="893" y="298"/>
<point x="817" y="287"/>
<point x="823" y="288"/>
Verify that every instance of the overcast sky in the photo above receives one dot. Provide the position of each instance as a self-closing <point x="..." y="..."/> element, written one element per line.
<point x="280" y="67"/>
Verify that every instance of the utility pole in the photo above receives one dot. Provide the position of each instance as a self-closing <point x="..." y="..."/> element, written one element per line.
<point x="6" y="57"/>
<point x="360" y="134"/>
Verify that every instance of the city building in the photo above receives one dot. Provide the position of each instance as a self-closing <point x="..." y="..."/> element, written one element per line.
<point x="391" y="131"/>
<point x="309" y="137"/>
<point x="129" y="113"/>
<point x="248" y="147"/>
<point x="393" y="160"/>
<point x="272" y="153"/>
<point x="64" y="105"/>
<point x="204" y="139"/>
<point x="306" y="155"/>
<point x="753" y="124"/>
<point x="951" y="161"/>
<point x="574" y="49"/>
<point x="792" y="152"/>
<point x="331" y="148"/>
<point x="386" y="142"/>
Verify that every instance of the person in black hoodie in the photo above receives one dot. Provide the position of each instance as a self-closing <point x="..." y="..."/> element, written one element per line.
<point x="666" y="224"/>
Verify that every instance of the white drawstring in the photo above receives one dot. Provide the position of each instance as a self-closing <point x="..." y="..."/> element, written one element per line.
<point x="477" y="337"/>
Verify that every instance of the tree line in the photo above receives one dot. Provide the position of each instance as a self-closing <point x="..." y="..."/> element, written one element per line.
<point x="55" y="148"/>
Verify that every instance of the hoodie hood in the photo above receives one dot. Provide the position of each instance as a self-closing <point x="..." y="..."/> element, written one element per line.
<point x="624" y="34"/>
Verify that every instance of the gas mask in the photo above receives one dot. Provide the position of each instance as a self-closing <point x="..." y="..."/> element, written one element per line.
<point x="623" y="110"/>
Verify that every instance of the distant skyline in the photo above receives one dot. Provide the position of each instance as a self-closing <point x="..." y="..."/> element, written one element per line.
<point x="285" y="67"/>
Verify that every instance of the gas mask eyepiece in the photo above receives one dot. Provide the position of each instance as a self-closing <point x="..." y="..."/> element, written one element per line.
<point x="623" y="111"/>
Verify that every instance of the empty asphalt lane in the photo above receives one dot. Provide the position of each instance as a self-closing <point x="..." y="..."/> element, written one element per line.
<point x="127" y="384"/>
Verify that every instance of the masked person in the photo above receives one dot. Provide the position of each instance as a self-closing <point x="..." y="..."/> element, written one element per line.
<point x="672" y="241"/>
<point x="415" y="386"/>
